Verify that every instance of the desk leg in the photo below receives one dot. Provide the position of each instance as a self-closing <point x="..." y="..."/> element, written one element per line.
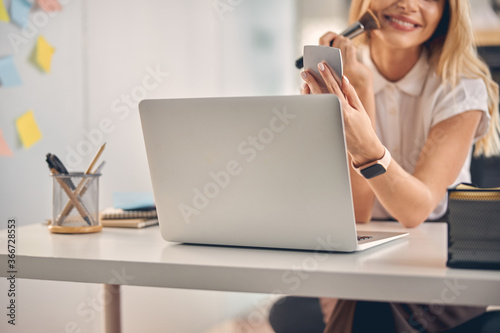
<point x="112" y="317"/>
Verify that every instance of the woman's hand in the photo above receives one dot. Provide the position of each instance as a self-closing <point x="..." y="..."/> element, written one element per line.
<point x="359" y="74"/>
<point x="362" y="142"/>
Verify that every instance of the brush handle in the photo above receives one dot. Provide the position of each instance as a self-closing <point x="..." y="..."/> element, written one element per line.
<point x="352" y="31"/>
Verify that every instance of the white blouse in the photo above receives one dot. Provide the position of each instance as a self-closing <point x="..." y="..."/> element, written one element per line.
<point x="406" y="110"/>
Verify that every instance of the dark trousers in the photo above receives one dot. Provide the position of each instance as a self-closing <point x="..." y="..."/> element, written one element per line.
<point x="303" y="314"/>
<point x="296" y="315"/>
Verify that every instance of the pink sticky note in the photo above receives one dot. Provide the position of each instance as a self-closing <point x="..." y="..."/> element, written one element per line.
<point x="49" y="5"/>
<point x="4" y="148"/>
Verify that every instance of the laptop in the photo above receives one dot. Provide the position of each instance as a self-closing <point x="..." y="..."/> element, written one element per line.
<point x="266" y="172"/>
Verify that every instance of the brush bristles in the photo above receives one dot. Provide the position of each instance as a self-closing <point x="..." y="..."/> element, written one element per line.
<point x="369" y="21"/>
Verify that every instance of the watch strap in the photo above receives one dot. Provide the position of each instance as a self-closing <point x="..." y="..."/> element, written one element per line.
<point x="383" y="162"/>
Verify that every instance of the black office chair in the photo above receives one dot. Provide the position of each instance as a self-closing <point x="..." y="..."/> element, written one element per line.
<point x="485" y="172"/>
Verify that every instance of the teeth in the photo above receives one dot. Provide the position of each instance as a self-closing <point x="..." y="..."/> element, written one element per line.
<point x="403" y="23"/>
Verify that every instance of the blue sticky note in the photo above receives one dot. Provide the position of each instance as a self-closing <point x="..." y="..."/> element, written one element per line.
<point x="19" y="12"/>
<point x="133" y="200"/>
<point x="9" y="77"/>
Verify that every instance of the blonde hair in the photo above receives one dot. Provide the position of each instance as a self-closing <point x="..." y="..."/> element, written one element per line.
<point x="453" y="53"/>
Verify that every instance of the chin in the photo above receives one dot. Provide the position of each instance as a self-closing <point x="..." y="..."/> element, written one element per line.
<point x="398" y="41"/>
<point x="402" y="44"/>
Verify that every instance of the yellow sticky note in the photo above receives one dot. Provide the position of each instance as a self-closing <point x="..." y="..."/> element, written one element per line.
<point x="28" y="129"/>
<point x="44" y="52"/>
<point x="4" y="16"/>
<point x="4" y="148"/>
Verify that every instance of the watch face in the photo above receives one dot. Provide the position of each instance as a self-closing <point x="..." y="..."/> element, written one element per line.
<point x="373" y="171"/>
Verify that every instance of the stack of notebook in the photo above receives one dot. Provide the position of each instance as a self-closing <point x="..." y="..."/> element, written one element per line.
<point x="130" y="210"/>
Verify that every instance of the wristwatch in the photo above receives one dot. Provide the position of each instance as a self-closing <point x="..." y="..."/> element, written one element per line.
<point x="375" y="168"/>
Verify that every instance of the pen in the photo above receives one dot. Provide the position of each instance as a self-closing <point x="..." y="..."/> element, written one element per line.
<point x="56" y="164"/>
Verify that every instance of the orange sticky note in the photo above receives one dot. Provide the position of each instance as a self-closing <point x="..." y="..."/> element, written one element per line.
<point x="43" y="55"/>
<point x="4" y="148"/>
<point x="28" y="129"/>
<point x="4" y="15"/>
<point x="49" y="5"/>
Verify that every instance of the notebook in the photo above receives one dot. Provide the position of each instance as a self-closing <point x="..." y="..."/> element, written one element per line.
<point x="118" y="213"/>
<point x="129" y="223"/>
<point x="133" y="200"/>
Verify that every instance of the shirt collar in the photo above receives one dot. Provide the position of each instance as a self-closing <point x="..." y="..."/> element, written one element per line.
<point x="412" y="83"/>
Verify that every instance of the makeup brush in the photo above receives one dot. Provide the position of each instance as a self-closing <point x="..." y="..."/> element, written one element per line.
<point x="367" y="22"/>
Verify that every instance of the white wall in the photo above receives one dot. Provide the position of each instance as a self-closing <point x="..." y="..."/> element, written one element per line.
<point x="57" y="101"/>
<point x="103" y="51"/>
<point x="68" y="307"/>
<point x="247" y="52"/>
<point x="319" y="16"/>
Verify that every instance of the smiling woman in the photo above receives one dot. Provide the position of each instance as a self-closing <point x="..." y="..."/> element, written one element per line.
<point x="419" y="25"/>
<point x="416" y="99"/>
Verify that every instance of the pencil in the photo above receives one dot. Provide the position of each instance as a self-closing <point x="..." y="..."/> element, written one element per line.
<point x="96" y="157"/>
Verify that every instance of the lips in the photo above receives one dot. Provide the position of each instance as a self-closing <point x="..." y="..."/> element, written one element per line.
<point x="402" y="22"/>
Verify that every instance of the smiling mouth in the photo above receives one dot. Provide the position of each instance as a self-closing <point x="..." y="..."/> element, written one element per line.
<point x="400" y="22"/>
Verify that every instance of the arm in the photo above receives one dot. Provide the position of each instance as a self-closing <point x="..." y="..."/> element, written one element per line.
<point x="409" y="198"/>
<point x="361" y="78"/>
<point x="362" y="194"/>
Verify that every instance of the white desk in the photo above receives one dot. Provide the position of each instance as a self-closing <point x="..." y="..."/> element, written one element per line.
<point x="406" y="270"/>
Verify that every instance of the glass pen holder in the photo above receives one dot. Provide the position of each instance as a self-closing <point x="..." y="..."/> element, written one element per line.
<point x="75" y="203"/>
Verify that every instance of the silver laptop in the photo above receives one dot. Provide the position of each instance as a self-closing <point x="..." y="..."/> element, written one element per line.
<point x="253" y="171"/>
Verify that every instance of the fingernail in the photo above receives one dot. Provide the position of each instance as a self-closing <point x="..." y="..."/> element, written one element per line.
<point x="346" y="79"/>
<point x="321" y="66"/>
<point x="304" y="75"/>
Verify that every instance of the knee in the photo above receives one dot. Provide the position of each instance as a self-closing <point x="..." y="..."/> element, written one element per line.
<point x="296" y="314"/>
<point x="491" y="323"/>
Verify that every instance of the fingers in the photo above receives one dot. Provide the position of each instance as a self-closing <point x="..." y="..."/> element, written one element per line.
<point x="305" y="89"/>
<point x="350" y="94"/>
<point x="313" y="86"/>
<point x="327" y="38"/>
<point x="328" y="77"/>
<point x="349" y="53"/>
<point x="347" y="94"/>
<point x="340" y="41"/>
<point x="346" y="46"/>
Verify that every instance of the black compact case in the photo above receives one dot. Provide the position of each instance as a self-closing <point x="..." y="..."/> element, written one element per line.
<point x="473" y="227"/>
